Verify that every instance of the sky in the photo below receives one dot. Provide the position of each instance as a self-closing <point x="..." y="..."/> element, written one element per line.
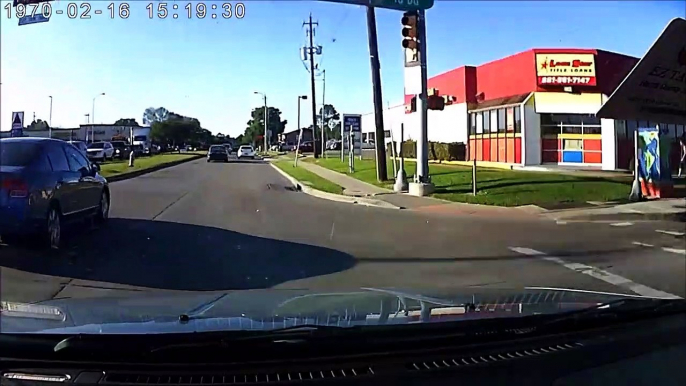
<point x="210" y="68"/>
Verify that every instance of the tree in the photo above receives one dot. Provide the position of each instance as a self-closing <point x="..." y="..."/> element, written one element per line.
<point x="255" y="127"/>
<point x="38" y="124"/>
<point x="332" y="122"/>
<point x="152" y="115"/>
<point x="126" y="122"/>
<point x="179" y="131"/>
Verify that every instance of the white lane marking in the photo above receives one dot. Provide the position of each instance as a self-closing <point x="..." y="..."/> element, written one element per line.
<point x="621" y="224"/>
<point x="585" y="291"/>
<point x="671" y="233"/>
<point x="559" y="222"/>
<point x="599" y="274"/>
<point x="642" y="244"/>
<point x="675" y="250"/>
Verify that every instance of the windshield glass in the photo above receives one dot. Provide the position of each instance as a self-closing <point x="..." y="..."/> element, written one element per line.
<point x="17" y="153"/>
<point x="279" y="174"/>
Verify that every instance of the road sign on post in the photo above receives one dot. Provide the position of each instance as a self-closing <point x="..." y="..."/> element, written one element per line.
<point x="17" y="124"/>
<point x="401" y="5"/>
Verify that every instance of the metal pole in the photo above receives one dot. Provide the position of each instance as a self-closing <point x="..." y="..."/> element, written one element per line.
<point x="314" y="99"/>
<point x="93" y="121"/>
<point x="474" y="176"/>
<point x="50" y="123"/>
<point x="423" y="142"/>
<point x="323" y="114"/>
<point x="381" y="172"/>
<point x="298" y="114"/>
<point x="265" y="123"/>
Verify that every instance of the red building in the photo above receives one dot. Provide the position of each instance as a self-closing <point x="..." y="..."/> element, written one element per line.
<point x="534" y="107"/>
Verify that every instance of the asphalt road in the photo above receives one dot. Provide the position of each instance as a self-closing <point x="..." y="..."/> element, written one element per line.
<point x="237" y="225"/>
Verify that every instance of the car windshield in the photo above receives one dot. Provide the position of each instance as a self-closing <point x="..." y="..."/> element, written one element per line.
<point x="17" y="153"/>
<point x="277" y="175"/>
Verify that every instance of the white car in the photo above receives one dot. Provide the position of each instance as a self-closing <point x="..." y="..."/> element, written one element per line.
<point x="101" y="151"/>
<point x="246" y="152"/>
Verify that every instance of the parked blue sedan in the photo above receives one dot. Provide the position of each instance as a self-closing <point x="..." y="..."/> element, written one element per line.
<point x="45" y="184"/>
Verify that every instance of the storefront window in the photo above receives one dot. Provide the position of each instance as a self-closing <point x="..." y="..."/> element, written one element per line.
<point x="592" y="130"/>
<point x="502" y="124"/>
<point x="518" y="119"/>
<point x="509" y="119"/>
<point x="387" y="133"/>
<point x="472" y="123"/>
<point x="487" y="121"/>
<point x="631" y="127"/>
<point x="494" y="121"/>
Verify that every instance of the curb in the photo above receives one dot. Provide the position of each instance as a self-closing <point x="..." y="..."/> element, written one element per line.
<point x="675" y="217"/>
<point x="138" y="173"/>
<point x="331" y="196"/>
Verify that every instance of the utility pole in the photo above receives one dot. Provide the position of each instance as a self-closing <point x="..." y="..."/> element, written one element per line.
<point x="311" y="51"/>
<point x="323" y="113"/>
<point x="266" y="124"/>
<point x="380" y="139"/>
<point x="50" y="119"/>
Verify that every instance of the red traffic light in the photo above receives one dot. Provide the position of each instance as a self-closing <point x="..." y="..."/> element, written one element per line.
<point x="410" y="44"/>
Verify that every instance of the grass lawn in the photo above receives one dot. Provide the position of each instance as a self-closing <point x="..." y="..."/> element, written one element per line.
<point x="308" y="178"/>
<point x="116" y="168"/>
<point x="498" y="186"/>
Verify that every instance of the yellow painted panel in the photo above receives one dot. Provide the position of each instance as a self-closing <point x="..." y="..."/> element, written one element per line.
<point x="565" y="65"/>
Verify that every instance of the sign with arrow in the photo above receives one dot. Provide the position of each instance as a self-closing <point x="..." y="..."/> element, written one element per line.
<point x="17" y="124"/>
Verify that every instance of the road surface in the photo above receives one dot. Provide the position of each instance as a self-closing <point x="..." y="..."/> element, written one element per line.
<point x="219" y="227"/>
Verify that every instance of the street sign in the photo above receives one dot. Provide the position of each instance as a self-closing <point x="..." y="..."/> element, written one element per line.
<point x="401" y="5"/>
<point x="655" y="90"/>
<point x="33" y="19"/>
<point x="17" y="124"/>
<point x="352" y="122"/>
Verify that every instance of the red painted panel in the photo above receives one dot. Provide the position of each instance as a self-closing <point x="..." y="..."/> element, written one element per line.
<point x="551" y="144"/>
<point x="511" y="143"/>
<point x="472" y="149"/>
<point x="593" y="157"/>
<point x="518" y="150"/>
<point x="512" y="75"/>
<point x="502" y="149"/>
<point x="550" y="156"/>
<point x="593" y="144"/>
<point x="486" y="156"/>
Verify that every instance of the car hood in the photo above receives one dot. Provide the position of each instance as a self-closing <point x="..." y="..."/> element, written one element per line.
<point x="270" y="309"/>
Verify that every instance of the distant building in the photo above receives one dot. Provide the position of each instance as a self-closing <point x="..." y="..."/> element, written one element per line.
<point x="292" y="136"/>
<point x="89" y="133"/>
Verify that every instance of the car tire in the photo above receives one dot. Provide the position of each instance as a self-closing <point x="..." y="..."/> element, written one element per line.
<point x="53" y="231"/>
<point x="208" y="161"/>
<point x="103" y="208"/>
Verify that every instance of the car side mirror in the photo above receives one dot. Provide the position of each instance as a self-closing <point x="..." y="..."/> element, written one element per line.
<point x="95" y="167"/>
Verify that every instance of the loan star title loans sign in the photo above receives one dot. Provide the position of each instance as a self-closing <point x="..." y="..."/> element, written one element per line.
<point x="565" y="69"/>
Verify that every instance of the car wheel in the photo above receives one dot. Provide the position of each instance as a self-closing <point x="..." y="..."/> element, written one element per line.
<point x="208" y="161"/>
<point x="103" y="208"/>
<point x="54" y="228"/>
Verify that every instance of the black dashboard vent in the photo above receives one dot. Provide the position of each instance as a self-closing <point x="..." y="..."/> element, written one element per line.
<point x="120" y="378"/>
<point x="443" y="363"/>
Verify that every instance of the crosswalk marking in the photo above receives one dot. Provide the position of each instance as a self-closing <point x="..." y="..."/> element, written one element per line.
<point x="671" y="233"/>
<point x="622" y="224"/>
<point x="642" y="244"/>
<point x="675" y="250"/>
<point x="600" y="274"/>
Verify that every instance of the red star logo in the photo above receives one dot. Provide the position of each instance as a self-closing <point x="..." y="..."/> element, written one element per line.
<point x="544" y="65"/>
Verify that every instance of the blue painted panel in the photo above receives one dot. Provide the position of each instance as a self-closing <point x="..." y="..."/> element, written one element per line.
<point x="572" y="156"/>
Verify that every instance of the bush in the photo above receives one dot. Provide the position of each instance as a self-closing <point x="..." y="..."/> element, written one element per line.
<point x="455" y="151"/>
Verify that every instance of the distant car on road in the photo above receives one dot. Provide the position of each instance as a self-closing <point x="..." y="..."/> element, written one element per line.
<point x="121" y="149"/>
<point x="100" y="151"/>
<point x="306" y="147"/>
<point x="246" y="151"/>
<point x="44" y="184"/>
<point x="217" y="153"/>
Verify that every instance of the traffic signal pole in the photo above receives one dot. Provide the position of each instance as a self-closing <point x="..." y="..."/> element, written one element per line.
<point x="380" y="139"/>
<point x="423" y="142"/>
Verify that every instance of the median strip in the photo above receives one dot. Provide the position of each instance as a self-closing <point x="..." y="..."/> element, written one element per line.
<point x="117" y="171"/>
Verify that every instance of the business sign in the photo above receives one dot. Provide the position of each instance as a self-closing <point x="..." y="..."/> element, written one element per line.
<point x="17" y="124"/>
<point x="565" y="69"/>
<point x="655" y="90"/>
<point x="352" y="123"/>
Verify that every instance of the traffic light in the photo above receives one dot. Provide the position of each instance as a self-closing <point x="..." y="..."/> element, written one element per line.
<point x="409" y="31"/>
<point x="436" y="102"/>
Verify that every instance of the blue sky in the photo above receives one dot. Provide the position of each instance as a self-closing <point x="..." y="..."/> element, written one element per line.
<point x="209" y="68"/>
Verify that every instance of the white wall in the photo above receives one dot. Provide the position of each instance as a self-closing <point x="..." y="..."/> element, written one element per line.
<point x="531" y="131"/>
<point x="449" y="125"/>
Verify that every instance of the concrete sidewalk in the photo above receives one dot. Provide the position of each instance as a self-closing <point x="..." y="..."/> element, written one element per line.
<point x="351" y="186"/>
<point x="663" y="209"/>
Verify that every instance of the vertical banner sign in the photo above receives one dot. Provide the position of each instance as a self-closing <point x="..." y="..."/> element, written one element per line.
<point x="654" y="174"/>
<point x="17" y="124"/>
<point x="352" y="123"/>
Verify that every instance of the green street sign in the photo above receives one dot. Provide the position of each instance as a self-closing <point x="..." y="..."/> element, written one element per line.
<point x="401" y="5"/>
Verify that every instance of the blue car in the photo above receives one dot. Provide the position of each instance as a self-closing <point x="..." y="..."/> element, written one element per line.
<point x="46" y="184"/>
